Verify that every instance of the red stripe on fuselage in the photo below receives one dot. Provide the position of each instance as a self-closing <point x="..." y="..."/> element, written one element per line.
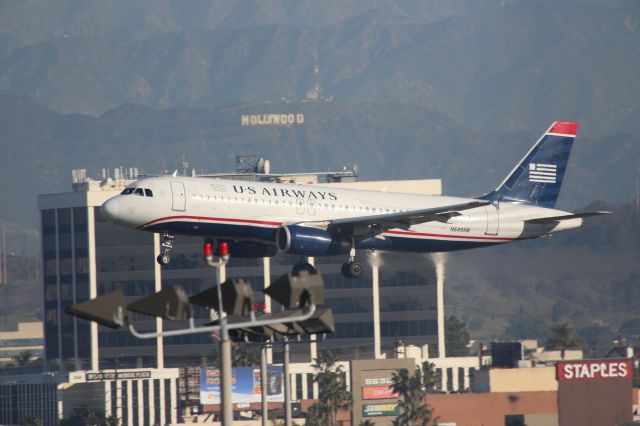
<point x="219" y="219"/>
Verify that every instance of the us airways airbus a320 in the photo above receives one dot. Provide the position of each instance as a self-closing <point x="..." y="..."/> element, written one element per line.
<point x="259" y="219"/>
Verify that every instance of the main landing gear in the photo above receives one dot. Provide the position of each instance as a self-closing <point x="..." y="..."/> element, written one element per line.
<point x="166" y="245"/>
<point x="351" y="268"/>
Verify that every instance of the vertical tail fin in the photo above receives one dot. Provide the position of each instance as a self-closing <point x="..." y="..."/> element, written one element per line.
<point x="538" y="177"/>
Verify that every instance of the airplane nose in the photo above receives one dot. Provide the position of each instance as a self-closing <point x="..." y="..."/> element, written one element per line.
<point x="110" y="209"/>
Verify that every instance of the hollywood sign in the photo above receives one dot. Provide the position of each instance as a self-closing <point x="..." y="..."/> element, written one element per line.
<point x="271" y="119"/>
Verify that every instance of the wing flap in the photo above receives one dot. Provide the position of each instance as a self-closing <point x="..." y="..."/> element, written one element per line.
<point x="377" y="224"/>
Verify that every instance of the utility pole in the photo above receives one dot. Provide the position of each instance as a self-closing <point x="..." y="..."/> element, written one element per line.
<point x="3" y="270"/>
<point x="638" y="191"/>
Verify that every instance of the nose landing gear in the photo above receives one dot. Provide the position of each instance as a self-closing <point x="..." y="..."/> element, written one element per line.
<point x="166" y="245"/>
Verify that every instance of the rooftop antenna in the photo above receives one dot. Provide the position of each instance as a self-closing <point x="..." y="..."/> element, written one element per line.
<point x="185" y="166"/>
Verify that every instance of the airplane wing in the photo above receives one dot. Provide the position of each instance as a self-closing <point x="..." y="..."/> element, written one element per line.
<point x="552" y="219"/>
<point x="369" y="226"/>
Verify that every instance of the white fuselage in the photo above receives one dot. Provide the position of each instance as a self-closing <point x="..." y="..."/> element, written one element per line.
<point x="247" y="210"/>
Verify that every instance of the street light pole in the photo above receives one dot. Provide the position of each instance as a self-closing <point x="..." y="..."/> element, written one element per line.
<point x="263" y="385"/>
<point x="287" y="384"/>
<point x="226" y="372"/>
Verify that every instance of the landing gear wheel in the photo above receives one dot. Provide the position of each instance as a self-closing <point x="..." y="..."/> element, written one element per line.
<point x="303" y="267"/>
<point x="352" y="270"/>
<point x="166" y="244"/>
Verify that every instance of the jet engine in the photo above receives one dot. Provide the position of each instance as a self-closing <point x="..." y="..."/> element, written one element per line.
<point x="307" y="241"/>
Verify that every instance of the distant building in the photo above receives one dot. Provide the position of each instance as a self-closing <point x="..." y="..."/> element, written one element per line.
<point x="28" y="338"/>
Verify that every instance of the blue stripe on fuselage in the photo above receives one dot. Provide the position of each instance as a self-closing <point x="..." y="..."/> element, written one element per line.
<point x="267" y="234"/>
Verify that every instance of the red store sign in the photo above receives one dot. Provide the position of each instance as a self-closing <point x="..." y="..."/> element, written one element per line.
<point x="594" y="370"/>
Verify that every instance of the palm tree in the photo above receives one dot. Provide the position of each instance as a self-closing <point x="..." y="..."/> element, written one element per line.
<point x="431" y="377"/>
<point x="332" y="389"/>
<point x="31" y="420"/>
<point x="23" y="358"/>
<point x="413" y="390"/>
<point x="562" y="338"/>
<point x="245" y="355"/>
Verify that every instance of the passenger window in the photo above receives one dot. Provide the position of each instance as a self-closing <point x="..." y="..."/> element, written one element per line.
<point x="127" y="191"/>
<point x="139" y="192"/>
<point x="148" y="193"/>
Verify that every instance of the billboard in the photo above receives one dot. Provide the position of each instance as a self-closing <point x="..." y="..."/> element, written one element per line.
<point x="379" y="410"/>
<point x="245" y="385"/>
<point x="378" y="392"/>
<point x="595" y="370"/>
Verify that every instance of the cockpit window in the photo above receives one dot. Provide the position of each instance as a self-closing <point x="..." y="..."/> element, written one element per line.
<point x="148" y="192"/>
<point x="139" y="192"/>
<point x="127" y="191"/>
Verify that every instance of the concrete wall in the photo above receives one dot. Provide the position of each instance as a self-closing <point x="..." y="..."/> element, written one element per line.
<point x="474" y="409"/>
<point x="516" y="380"/>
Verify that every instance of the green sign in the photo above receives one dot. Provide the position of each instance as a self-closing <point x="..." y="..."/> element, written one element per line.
<point x="377" y="410"/>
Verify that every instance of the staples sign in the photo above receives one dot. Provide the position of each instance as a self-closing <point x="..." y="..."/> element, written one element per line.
<point x="595" y="370"/>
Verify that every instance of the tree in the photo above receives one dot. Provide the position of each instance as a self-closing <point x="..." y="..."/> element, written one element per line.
<point x="245" y="355"/>
<point x="23" y="358"/>
<point x="413" y="391"/>
<point x="31" y="420"/>
<point x="562" y="338"/>
<point x="84" y="417"/>
<point x="431" y="377"/>
<point x="332" y="390"/>
<point x="457" y="337"/>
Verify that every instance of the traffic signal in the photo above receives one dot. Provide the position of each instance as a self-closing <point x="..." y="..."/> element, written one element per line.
<point x="108" y="310"/>
<point x="171" y="303"/>
<point x="297" y="291"/>
<point x="237" y="297"/>
<point x="320" y="322"/>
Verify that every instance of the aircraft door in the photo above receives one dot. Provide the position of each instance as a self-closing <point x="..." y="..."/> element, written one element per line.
<point x="311" y="207"/>
<point x="300" y="208"/>
<point x="179" y="199"/>
<point x="493" y="219"/>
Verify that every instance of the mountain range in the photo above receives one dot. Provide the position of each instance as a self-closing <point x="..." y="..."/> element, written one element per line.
<point x="494" y="66"/>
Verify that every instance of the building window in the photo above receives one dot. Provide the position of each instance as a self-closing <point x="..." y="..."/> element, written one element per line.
<point x="514" y="420"/>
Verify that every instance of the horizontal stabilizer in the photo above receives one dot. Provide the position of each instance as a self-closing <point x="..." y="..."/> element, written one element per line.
<point x="542" y="220"/>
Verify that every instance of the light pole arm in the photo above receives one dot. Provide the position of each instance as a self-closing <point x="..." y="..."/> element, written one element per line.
<point x="305" y="315"/>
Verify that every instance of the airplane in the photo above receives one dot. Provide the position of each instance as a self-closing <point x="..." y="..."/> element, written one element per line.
<point x="260" y="219"/>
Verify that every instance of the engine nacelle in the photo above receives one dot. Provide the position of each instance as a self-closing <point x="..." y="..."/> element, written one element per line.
<point x="307" y="241"/>
<point x="248" y="249"/>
